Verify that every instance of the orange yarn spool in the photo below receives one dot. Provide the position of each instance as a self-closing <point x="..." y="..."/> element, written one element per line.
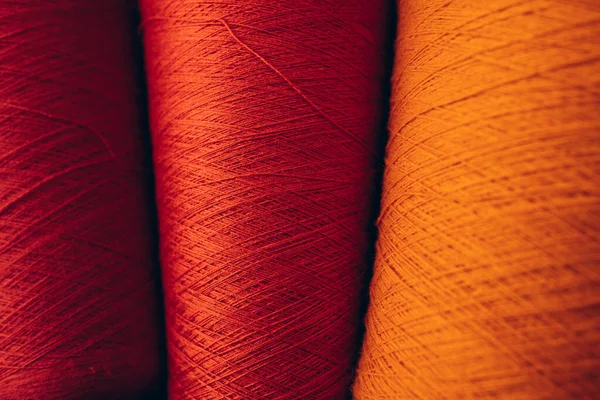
<point x="486" y="279"/>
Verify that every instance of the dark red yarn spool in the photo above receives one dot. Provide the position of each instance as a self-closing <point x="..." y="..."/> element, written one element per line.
<point x="78" y="306"/>
<point x="265" y="117"/>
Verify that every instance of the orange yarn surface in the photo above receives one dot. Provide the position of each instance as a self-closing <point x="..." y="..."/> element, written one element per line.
<point x="486" y="282"/>
<point x="265" y="119"/>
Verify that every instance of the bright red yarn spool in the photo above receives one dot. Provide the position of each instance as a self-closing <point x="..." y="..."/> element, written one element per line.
<point x="78" y="307"/>
<point x="265" y="117"/>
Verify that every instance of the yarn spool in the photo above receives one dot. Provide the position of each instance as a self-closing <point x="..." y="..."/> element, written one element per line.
<point x="486" y="277"/>
<point x="78" y="306"/>
<point x="264" y="120"/>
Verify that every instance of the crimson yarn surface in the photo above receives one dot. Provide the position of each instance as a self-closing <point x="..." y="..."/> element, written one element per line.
<point x="78" y="305"/>
<point x="265" y="118"/>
